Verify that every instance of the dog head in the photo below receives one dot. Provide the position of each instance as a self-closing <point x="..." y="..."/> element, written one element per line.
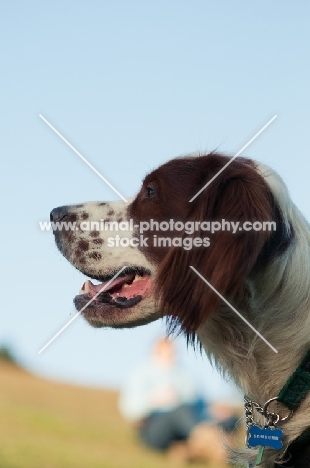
<point x="156" y="279"/>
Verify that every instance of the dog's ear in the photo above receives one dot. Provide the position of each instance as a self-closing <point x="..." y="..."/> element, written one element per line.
<point x="237" y="195"/>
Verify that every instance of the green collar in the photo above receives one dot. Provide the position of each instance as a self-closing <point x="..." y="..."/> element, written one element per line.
<point x="297" y="386"/>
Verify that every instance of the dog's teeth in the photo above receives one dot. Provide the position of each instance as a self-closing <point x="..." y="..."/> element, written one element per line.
<point x="86" y="288"/>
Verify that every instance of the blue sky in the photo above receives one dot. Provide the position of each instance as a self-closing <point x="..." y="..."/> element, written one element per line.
<point x="130" y="85"/>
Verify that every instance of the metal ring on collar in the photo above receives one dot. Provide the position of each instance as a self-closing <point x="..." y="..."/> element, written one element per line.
<point x="265" y="412"/>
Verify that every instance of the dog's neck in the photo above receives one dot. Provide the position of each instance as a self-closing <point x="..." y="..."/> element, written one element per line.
<point x="277" y="304"/>
<point x="261" y="373"/>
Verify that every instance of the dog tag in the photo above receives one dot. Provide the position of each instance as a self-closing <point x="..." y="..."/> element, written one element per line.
<point x="264" y="437"/>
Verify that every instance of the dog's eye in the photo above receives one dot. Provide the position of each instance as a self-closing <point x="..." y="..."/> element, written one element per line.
<point x="150" y="192"/>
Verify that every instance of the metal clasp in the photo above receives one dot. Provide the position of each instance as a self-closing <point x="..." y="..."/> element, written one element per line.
<point x="274" y="418"/>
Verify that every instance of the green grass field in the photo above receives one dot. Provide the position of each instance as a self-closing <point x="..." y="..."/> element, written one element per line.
<point x="45" y="424"/>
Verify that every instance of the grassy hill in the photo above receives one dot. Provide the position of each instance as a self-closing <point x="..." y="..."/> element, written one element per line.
<point x="54" y="425"/>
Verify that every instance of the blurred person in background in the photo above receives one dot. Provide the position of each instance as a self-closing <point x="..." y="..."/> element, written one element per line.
<point x="164" y="403"/>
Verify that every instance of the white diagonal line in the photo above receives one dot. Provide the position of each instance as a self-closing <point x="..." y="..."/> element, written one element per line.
<point x="236" y="155"/>
<point x="83" y="158"/>
<point x="235" y="310"/>
<point x="80" y="311"/>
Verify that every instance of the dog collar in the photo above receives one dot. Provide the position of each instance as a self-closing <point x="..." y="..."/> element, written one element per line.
<point x="297" y="386"/>
<point x="291" y="395"/>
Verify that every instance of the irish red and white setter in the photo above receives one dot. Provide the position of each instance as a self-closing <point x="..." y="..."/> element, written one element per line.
<point x="263" y="273"/>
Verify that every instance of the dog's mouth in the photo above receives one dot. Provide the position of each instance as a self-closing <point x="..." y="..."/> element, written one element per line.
<point x="124" y="292"/>
<point x="101" y="302"/>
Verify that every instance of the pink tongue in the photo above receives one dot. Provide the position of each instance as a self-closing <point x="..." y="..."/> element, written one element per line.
<point x="107" y="285"/>
<point x="118" y="287"/>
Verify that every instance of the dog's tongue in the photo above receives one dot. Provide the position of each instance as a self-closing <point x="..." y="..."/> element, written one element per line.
<point x="93" y="289"/>
<point x="129" y="286"/>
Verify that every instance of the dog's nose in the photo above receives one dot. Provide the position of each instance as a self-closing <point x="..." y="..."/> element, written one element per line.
<point x="59" y="213"/>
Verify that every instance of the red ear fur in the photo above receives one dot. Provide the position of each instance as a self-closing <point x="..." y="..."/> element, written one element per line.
<point x="238" y="194"/>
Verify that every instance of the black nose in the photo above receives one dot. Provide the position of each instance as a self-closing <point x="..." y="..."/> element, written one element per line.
<point x="59" y="213"/>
